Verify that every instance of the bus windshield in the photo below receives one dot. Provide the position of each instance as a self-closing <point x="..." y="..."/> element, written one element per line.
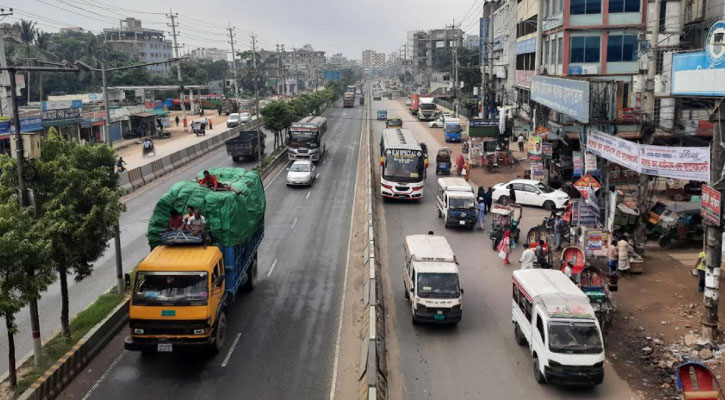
<point x="574" y="337"/>
<point x="404" y="166"/>
<point x="303" y="138"/>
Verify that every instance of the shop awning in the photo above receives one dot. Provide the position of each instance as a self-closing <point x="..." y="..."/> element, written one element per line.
<point x="158" y="112"/>
<point x="143" y="115"/>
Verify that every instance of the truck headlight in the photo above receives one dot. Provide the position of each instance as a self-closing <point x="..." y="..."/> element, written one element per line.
<point x="138" y="331"/>
<point x="199" y="331"/>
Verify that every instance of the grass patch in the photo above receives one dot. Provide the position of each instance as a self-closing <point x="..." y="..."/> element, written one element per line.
<point x="269" y="159"/>
<point x="57" y="346"/>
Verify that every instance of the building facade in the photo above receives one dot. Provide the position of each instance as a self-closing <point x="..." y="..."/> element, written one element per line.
<point x="209" y="54"/>
<point x="373" y="60"/>
<point x="148" y="45"/>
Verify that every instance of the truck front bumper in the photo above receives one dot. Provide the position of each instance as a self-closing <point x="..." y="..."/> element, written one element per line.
<point x="432" y="316"/>
<point x="574" y="375"/>
<point x="152" y="344"/>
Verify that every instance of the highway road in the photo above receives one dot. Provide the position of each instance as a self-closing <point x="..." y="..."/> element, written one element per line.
<point x="134" y="248"/>
<point x="281" y="337"/>
<point x="479" y="358"/>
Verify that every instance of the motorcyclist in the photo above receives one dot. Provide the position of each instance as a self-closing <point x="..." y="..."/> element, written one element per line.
<point x="148" y="146"/>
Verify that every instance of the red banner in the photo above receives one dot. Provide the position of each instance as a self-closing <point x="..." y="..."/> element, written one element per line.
<point x="711" y="205"/>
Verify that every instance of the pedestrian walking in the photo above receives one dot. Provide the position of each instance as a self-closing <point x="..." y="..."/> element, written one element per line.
<point x="210" y="124"/>
<point x="489" y="198"/>
<point x="481" y="214"/>
<point x="559" y="227"/>
<point x="541" y="255"/>
<point x="512" y="195"/>
<point x="700" y="264"/>
<point x="139" y="131"/>
<point x="504" y="247"/>
<point x="527" y="257"/>
<point x="466" y="170"/>
<point x="177" y="121"/>
<point x="459" y="163"/>
<point x="520" y="141"/>
<point x="612" y="256"/>
<point x="613" y="286"/>
<point x="623" y="249"/>
<point x="481" y="194"/>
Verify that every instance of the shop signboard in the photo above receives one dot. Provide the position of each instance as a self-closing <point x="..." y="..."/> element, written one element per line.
<point x="548" y="149"/>
<point x="537" y="170"/>
<point x="534" y="148"/>
<point x="586" y="215"/>
<point x="27" y="124"/>
<point x="578" y="163"/>
<point x="619" y="175"/>
<point x="61" y="104"/>
<point x="584" y="183"/>
<point x="614" y="149"/>
<point x="595" y="241"/>
<point x="702" y="73"/>
<point x="567" y="96"/>
<point x="590" y="163"/>
<point x="61" y="116"/>
<point x="710" y="201"/>
<point x="692" y="163"/>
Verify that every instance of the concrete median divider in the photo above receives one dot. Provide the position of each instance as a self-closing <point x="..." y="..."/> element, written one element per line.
<point x="184" y="156"/>
<point x="124" y="182"/>
<point x="191" y="152"/>
<point x="157" y="166"/>
<point x="136" y="178"/>
<point x="167" y="164"/>
<point x="204" y="146"/>
<point x="147" y="172"/>
<point x="60" y="374"/>
<point x="197" y="150"/>
<point x="176" y="159"/>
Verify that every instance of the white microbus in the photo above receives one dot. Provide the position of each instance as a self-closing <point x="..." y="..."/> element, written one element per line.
<point x="403" y="162"/>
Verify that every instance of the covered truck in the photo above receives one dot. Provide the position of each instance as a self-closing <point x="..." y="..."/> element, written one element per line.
<point x="247" y="145"/>
<point x="426" y="108"/>
<point x="182" y="288"/>
<point x="348" y="99"/>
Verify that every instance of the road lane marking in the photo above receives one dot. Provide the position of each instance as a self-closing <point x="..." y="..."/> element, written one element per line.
<point x="317" y="176"/>
<point x="294" y="223"/>
<point x="231" y="350"/>
<point x="324" y="161"/>
<point x="275" y="177"/>
<point x="274" y="263"/>
<point x="103" y="377"/>
<point x="347" y="267"/>
<point x="308" y="195"/>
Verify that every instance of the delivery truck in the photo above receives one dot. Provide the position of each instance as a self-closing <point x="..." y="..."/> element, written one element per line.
<point x="181" y="291"/>
<point x="426" y="108"/>
<point x="248" y="145"/>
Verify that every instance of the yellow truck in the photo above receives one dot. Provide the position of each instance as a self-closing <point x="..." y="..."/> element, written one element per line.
<point x="182" y="288"/>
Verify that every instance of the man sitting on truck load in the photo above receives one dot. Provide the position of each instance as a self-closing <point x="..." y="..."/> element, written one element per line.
<point x="176" y="221"/>
<point x="212" y="183"/>
<point x="196" y="224"/>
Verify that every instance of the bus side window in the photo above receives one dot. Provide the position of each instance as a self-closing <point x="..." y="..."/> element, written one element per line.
<point x="540" y="326"/>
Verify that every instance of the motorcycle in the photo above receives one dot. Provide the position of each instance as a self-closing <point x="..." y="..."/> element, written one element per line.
<point x="149" y="151"/>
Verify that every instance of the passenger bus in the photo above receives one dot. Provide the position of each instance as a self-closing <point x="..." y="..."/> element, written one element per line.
<point x="305" y="139"/>
<point x="403" y="161"/>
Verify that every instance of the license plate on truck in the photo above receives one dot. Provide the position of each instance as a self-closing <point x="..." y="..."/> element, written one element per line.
<point x="439" y="317"/>
<point x="462" y="222"/>
<point x="164" y="347"/>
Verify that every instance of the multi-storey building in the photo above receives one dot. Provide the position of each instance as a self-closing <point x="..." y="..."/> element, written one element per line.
<point x="149" y="45"/>
<point x="209" y="54"/>
<point x="430" y="50"/>
<point x="373" y="60"/>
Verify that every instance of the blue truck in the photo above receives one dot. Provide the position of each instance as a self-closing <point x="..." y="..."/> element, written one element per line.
<point x="452" y="130"/>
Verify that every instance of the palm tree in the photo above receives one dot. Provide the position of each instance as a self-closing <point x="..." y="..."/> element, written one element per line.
<point x="42" y="45"/>
<point x="27" y="35"/>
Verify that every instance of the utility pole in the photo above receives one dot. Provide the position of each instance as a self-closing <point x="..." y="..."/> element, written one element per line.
<point x="279" y="69"/>
<point x="234" y="61"/>
<point x="297" y="78"/>
<point x="173" y="26"/>
<point x="4" y="79"/>
<point x="713" y="233"/>
<point x="539" y="38"/>
<point x="484" y="39"/>
<point x="256" y="94"/>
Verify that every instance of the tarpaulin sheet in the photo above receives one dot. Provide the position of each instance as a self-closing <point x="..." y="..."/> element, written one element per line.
<point x="230" y="218"/>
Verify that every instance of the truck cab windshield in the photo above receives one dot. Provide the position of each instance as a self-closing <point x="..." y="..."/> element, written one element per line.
<point x="434" y="285"/>
<point x="574" y="337"/>
<point x="460" y="203"/>
<point x="403" y="166"/>
<point x="427" y="106"/>
<point x="453" y="128"/>
<point x="171" y="288"/>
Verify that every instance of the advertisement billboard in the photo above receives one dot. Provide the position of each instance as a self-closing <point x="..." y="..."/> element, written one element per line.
<point x="711" y="205"/>
<point x="702" y="73"/>
<point x="567" y="96"/>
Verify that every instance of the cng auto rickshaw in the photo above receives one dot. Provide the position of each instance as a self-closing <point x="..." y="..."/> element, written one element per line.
<point x="503" y="218"/>
<point x="443" y="161"/>
<point x="679" y="226"/>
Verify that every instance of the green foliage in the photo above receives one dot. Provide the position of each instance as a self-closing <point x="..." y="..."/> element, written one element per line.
<point x="277" y="115"/>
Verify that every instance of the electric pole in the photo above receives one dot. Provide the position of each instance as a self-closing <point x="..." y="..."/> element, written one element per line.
<point x="713" y="233"/>
<point x="234" y="61"/>
<point x="256" y="94"/>
<point x="173" y="26"/>
<point x="482" y="56"/>
<point x="456" y="85"/>
<point x="4" y="78"/>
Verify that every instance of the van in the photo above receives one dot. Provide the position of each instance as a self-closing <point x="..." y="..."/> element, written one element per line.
<point x="394" y="122"/>
<point x="456" y="203"/>
<point x="452" y="129"/>
<point x="555" y="318"/>
<point x="431" y="280"/>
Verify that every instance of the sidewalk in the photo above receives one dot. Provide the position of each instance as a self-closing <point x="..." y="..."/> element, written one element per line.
<point x="131" y="149"/>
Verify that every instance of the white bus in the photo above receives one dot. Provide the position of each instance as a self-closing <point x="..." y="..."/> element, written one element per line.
<point x="403" y="163"/>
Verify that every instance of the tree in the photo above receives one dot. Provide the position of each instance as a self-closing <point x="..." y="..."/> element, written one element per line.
<point x="25" y="270"/>
<point x="27" y="35"/>
<point x="79" y="205"/>
<point x="278" y="116"/>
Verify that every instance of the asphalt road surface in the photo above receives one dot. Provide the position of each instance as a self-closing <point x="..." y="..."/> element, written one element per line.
<point x="280" y="337"/>
<point x="479" y="358"/>
<point x="134" y="248"/>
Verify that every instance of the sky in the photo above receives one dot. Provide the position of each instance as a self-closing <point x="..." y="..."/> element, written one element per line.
<point x="333" y="26"/>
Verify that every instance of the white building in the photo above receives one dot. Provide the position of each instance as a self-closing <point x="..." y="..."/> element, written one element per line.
<point x="209" y="54"/>
<point x="149" y="45"/>
<point x="373" y="59"/>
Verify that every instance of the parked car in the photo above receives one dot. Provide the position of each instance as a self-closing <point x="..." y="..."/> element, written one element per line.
<point x="301" y="173"/>
<point x="440" y="121"/>
<point x="233" y="120"/>
<point x="531" y="193"/>
<point x="376" y="96"/>
<point x="244" y="117"/>
<point x="408" y="101"/>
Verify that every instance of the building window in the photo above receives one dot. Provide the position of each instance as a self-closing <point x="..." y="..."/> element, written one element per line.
<point x="584" y="49"/>
<point x="622" y="48"/>
<point x="561" y="51"/>
<point x="625" y="95"/>
<point x="663" y="12"/>
<point x="618" y="6"/>
<point x="585" y="7"/>
<point x="546" y="52"/>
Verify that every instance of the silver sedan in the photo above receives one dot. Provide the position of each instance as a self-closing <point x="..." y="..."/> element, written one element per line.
<point x="301" y="173"/>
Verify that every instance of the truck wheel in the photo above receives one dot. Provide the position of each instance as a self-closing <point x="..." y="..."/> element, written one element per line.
<point x="235" y="158"/>
<point x="220" y="333"/>
<point x="518" y="335"/>
<point x="251" y="276"/>
<point x="405" y="292"/>
<point x="537" y="372"/>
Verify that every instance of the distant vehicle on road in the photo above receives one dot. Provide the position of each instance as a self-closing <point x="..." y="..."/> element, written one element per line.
<point x="301" y="172"/>
<point x="376" y="96"/>
<point x="182" y="289"/>
<point x="408" y="102"/>
<point x="431" y="280"/>
<point x="382" y="115"/>
<point x="233" y="120"/>
<point x="426" y="108"/>
<point x="305" y="139"/>
<point x="554" y="317"/>
<point x="452" y="130"/>
<point x="530" y="192"/>
<point x="403" y="163"/>
<point x="440" y="121"/>
<point x="246" y="146"/>
<point x="394" y="122"/>
<point x="244" y="117"/>
<point x="456" y="203"/>
<point x="230" y="106"/>
<point x="348" y="99"/>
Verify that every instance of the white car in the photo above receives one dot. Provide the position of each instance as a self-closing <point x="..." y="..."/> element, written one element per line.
<point x="440" y="121"/>
<point x="244" y="117"/>
<point x="531" y="193"/>
<point x="301" y="173"/>
<point x="233" y="120"/>
<point x="408" y="102"/>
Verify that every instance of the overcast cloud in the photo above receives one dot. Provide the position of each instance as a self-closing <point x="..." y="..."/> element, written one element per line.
<point x="330" y="25"/>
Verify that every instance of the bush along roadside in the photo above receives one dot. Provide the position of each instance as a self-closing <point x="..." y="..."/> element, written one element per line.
<point x="57" y="346"/>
